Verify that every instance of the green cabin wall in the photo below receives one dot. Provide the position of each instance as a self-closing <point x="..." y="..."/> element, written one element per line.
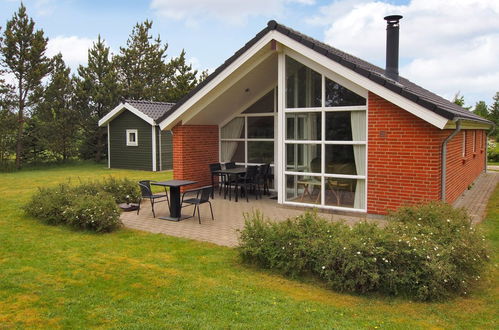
<point x="139" y="157"/>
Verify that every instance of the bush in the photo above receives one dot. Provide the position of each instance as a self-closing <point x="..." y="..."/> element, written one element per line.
<point x="426" y="252"/>
<point x="122" y="190"/>
<point x="90" y="205"/>
<point x="93" y="212"/>
<point x="48" y="204"/>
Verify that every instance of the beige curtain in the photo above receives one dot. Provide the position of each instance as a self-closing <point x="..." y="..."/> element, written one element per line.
<point x="232" y="130"/>
<point x="358" y="120"/>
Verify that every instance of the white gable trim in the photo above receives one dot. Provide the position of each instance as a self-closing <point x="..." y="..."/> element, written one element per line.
<point x="119" y="109"/>
<point x="175" y="116"/>
<point x="297" y="49"/>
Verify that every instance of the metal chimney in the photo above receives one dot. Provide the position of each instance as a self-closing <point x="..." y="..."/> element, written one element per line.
<point x="392" y="46"/>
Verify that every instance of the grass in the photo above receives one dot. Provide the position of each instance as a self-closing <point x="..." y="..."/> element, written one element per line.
<point x="54" y="277"/>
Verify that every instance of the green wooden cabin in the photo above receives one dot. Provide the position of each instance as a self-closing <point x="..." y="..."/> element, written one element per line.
<point x="134" y="139"/>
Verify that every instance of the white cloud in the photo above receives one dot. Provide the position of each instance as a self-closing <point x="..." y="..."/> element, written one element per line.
<point x="74" y="49"/>
<point x="237" y="13"/>
<point x="445" y="46"/>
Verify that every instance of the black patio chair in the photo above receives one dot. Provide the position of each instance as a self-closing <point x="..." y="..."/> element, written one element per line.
<point x="221" y="177"/>
<point x="202" y="197"/>
<point x="230" y="165"/>
<point x="146" y="193"/>
<point x="250" y="182"/>
<point x="265" y="176"/>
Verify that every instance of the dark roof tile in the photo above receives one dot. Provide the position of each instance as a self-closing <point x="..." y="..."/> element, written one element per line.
<point x="154" y="110"/>
<point x="404" y="87"/>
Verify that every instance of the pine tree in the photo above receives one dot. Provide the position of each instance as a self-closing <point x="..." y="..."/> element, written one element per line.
<point x="184" y="78"/>
<point x="481" y="109"/>
<point x="97" y="92"/>
<point x="142" y="70"/>
<point x="57" y="119"/>
<point x="459" y="100"/>
<point x="8" y="121"/>
<point x="494" y="113"/>
<point x="23" y="51"/>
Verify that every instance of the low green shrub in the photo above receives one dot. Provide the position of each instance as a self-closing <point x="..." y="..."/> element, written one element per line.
<point x="425" y="252"/>
<point x="48" y="204"/>
<point x="93" y="212"/>
<point x="90" y="205"/>
<point x="122" y="190"/>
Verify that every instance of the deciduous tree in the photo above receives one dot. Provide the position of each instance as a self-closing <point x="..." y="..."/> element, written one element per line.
<point x="481" y="109"/>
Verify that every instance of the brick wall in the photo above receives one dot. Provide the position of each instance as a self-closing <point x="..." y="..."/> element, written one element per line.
<point x="404" y="155"/>
<point x="462" y="170"/>
<point x="194" y="148"/>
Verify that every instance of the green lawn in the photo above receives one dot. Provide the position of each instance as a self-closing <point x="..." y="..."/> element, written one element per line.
<point x="55" y="277"/>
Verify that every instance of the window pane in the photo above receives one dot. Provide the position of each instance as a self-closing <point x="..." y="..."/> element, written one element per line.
<point x="261" y="127"/>
<point x="303" y="85"/>
<point x="346" y="126"/>
<point x="303" y="189"/>
<point x="232" y="151"/>
<point x="345" y="159"/>
<point x="263" y="105"/>
<point x="345" y="193"/>
<point x="337" y="95"/>
<point x="303" y="158"/>
<point x="303" y="126"/>
<point x="234" y="129"/>
<point x="260" y="152"/>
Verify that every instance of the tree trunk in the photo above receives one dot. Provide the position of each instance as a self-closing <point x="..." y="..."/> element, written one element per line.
<point x="20" y="128"/>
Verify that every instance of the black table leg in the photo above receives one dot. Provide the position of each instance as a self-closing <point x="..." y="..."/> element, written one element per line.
<point x="175" y="207"/>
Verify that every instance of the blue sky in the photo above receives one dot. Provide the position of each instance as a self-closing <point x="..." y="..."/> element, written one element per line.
<point x="446" y="46"/>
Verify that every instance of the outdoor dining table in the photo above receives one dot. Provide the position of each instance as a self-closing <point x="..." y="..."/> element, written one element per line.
<point x="236" y="170"/>
<point x="175" y="203"/>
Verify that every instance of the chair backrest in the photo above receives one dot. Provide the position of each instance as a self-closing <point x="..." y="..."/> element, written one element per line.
<point x="145" y="188"/>
<point x="251" y="171"/>
<point x="230" y="165"/>
<point x="205" y="194"/>
<point x="215" y="167"/>
<point x="264" y="170"/>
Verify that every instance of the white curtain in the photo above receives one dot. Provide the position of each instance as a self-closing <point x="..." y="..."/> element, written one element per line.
<point x="232" y="130"/>
<point x="358" y="120"/>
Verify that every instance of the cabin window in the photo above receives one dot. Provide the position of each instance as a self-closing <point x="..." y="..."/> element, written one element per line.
<point x="132" y="138"/>
<point x="464" y="144"/>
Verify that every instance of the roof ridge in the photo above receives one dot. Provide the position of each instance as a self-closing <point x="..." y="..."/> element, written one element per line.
<point x="147" y="101"/>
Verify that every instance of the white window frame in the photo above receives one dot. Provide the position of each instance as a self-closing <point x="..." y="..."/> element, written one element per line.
<point x="245" y="139"/>
<point x="323" y="142"/>
<point x="132" y="143"/>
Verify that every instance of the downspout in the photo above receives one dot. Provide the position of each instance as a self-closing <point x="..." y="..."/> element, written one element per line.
<point x="444" y="157"/>
<point x="487" y="145"/>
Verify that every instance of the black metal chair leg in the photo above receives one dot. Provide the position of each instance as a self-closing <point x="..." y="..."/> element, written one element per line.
<point x="211" y="210"/>
<point x="138" y="209"/>
<point x="199" y="214"/>
<point x="152" y="207"/>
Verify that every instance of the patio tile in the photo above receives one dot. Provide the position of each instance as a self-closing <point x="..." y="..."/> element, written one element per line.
<point x="229" y="214"/>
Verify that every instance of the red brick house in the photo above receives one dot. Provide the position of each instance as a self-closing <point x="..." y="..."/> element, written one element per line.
<point x="339" y="132"/>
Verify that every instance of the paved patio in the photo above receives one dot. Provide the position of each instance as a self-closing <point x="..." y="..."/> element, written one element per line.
<point x="229" y="214"/>
<point x="228" y="219"/>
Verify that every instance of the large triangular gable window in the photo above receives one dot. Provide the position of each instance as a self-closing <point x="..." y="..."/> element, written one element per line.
<point x="325" y="141"/>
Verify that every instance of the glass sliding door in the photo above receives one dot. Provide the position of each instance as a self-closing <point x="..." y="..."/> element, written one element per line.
<point x="324" y="141"/>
